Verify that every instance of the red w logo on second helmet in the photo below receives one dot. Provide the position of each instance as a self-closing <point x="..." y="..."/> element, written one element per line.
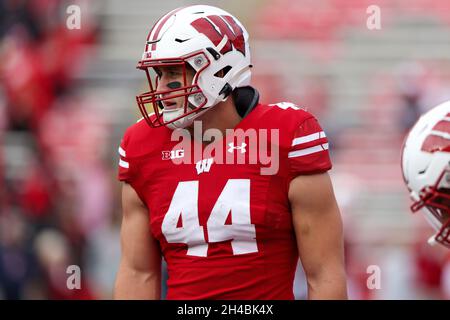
<point x="217" y="27"/>
<point x="439" y="137"/>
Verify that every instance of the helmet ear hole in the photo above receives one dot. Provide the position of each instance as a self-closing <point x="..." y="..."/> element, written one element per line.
<point x="222" y="72"/>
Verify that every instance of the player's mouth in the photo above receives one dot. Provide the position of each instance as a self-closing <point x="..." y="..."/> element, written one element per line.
<point x="170" y="105"/>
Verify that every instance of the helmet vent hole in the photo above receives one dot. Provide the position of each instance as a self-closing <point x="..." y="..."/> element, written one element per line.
<point x="222" y="72"/>
<point x="182" y="40"/>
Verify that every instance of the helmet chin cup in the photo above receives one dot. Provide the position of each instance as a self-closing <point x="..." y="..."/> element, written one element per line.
<point x="176" y="119"/>
<point x="187" y="121"/>
<point x="179" y="124"/>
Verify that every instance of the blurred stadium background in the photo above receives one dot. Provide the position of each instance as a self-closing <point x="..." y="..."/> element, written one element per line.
<point x="66" y="97"/>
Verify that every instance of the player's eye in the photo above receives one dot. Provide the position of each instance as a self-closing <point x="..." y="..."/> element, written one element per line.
<point x="174" y="73"/>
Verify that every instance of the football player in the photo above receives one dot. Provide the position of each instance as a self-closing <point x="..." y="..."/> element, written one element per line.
<point x="426" y="170"/>
<point x="225" y="230"/>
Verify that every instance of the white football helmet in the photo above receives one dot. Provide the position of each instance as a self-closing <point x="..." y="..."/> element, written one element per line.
<point x="426" y="169"/>
<point x="209" y="40"/>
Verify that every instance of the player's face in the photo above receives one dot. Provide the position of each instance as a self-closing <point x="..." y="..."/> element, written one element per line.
<point x="172" y="78"/>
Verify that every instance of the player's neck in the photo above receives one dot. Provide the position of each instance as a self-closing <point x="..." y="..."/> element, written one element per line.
<point x="222" y="117"/>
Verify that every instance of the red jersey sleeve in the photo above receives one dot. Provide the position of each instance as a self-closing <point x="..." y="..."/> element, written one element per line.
<point x="124" y="162"/>
<point x="308" y="153"/>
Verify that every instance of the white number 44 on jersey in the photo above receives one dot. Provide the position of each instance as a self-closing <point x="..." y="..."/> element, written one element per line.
<point x="235" y="197"/>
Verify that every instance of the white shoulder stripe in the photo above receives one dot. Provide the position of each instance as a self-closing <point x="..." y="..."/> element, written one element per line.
<point x="305" y="152"/>
<point x="122" y="152"/>
<point x="124" y="164"/>
<point x="308" y="138"/>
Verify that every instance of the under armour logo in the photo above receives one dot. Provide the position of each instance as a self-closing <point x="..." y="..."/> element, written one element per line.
<point x="233" y="147"/>
<point x="204" y="165"/>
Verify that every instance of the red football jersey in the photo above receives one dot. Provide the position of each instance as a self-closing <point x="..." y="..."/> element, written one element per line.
<point x="225" y="229"/>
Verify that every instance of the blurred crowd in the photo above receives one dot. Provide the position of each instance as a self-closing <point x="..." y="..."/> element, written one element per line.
<point x="56" y="195"/>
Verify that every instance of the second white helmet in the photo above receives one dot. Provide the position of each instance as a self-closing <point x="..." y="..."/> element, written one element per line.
<point x="426" y="169"/>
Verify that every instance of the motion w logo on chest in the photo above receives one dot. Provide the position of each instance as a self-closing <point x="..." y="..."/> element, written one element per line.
<point x="204" y="165"/>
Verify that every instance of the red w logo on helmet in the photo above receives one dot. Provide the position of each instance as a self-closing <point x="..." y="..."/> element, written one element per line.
<point x="439" y="138"/>
<point x="217" y="27"/>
